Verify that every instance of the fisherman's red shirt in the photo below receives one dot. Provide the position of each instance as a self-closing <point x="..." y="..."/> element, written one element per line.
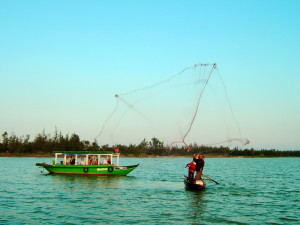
<point x="192" y="167"/>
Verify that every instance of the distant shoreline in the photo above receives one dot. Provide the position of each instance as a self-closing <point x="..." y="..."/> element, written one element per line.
<point x="43" y="145"/>
<point x="146" y="156"/>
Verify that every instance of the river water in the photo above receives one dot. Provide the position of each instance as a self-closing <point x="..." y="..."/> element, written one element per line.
<point x="251" y="191"/>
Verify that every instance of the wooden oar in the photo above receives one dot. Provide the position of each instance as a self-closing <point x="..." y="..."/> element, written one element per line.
<point x="210" y="178"/>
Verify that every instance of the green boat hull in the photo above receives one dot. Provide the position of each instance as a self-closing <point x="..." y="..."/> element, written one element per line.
<point x="105" y="170"/>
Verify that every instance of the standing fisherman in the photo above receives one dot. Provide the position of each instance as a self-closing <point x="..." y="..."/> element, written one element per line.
<point x="199" y="160"/>
<point x="192" y="168"/>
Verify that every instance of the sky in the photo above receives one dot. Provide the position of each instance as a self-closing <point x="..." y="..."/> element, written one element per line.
<point x="62" y="62"/>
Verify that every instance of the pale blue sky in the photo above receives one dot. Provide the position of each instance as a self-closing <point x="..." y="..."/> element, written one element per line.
<point x="63" y="61"/>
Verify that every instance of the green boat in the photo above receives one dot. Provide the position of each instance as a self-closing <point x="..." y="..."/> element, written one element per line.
<point x="87" y="163"/>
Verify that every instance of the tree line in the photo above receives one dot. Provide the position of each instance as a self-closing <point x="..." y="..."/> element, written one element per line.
<point x="44" y="144"/>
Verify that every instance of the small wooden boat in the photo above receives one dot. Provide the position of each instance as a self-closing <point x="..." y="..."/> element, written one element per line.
<point x="87" y="163"/>
<point x="195" y="185"/>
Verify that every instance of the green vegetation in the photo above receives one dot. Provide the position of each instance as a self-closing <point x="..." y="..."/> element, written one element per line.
<point x="44" y="144"/>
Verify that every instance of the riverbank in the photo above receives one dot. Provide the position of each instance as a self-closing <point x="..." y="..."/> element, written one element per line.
<point x="41" y="155"/>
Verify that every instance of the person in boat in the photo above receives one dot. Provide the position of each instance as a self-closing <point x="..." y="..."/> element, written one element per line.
<point x="94" y="160"/>
<point x="192" y="168"/>
<point x="107" y="160"/>
<point x="72" y="160"/>
<point x="82" y="161"/>
<point x="90" y="160"/>
<point x="199" y="160"/>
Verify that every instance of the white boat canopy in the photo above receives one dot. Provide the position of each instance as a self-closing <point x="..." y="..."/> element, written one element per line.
<point x="87" y="158"/>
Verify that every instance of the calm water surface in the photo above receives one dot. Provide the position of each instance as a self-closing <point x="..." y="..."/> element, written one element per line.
<point x="251" y="191"/>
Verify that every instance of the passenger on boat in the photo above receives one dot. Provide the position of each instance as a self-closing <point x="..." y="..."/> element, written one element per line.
<point x="93" y="160"/>
<point x="199" y="160"/>
<point x="109" y="161"/>
<point x="104" y="161"/>
<point x="192" y="168"/>
<point x="72" y="160"/>
<point x="90" y="161"/>
<point x="68" y="160"/>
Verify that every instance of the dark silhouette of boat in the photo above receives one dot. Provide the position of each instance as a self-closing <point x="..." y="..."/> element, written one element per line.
<point x="194" y="185"/>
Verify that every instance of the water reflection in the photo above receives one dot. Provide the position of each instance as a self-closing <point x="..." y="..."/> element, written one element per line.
<point x="196" y="204"/>
<point x="83" y="181"/>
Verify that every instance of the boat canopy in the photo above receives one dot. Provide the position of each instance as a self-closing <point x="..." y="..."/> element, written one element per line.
<point x="87" y="158"/>
<point x="82" y="152"/>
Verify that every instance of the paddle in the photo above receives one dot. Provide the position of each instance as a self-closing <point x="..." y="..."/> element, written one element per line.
<point x="210" y="178"/>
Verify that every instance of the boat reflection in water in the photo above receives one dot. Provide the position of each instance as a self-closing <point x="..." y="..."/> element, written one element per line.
<point x="75" y="181"/>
